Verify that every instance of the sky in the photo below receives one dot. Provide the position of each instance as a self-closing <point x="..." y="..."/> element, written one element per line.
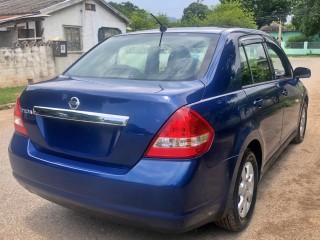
<point x="173" y="8"/>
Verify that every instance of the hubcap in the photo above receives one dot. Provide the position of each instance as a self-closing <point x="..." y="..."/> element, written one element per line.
<point x="246" y="188"/>
<point x="303" y="121"/>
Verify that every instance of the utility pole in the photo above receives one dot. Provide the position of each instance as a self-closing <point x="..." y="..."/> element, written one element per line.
<point x="280" y="32"/>
<point x="200" y="1"/>
<point x="276" y="15"/>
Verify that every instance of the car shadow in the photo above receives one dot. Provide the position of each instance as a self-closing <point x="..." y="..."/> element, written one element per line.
<point x="51" y="221"/>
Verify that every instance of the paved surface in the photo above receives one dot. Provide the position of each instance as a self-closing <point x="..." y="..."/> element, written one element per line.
<point x="288" y="205"/>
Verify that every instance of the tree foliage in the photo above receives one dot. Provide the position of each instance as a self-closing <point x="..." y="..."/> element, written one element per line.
<point x="231" y="15"/>
<point x="266" y="11"/>
<point x="224" y="15"/>
<point x="127" y="8"/>
<point x="307" y="16"/>
<point x="228" y="14"/>
<point x="140" y="18"/>
<point x="195" y="11"/>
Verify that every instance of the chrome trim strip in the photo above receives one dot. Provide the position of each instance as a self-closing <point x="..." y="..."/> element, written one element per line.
<point x="81" y="116"/>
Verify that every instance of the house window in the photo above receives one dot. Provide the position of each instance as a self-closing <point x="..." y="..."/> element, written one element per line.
<point x="73" y="37"/>
<point x="26" y="33"/>
<point x="105" y="32"/>
<point x="90" y="7"/>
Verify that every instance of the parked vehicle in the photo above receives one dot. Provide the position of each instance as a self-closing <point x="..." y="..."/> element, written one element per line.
<point x="168" y="134"/>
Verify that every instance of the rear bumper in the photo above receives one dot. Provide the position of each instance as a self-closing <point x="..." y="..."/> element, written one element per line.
<point x="162" y="195"/>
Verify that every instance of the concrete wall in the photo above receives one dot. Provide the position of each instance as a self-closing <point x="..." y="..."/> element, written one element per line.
<point x="304" y="50"/>
<point x="26" y="63"/>
<point x="300" y="51"/>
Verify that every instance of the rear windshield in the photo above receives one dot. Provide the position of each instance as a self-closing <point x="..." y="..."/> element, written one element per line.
<point x="181" y="56"/>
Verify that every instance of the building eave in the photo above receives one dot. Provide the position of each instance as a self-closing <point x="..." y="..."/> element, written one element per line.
<point x="12" y="20"/>
<point x="68" y="3"/>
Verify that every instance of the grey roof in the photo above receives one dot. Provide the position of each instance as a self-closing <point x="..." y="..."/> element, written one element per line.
<point x="15" y="7"/>
<point x="20" y="7"/>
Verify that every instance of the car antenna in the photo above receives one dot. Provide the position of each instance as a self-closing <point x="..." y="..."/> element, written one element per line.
<point x="163" y="28"/>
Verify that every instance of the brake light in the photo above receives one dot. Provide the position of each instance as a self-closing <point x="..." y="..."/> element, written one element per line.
<point x="185" y="135"/>
<point x="18" y="123"/>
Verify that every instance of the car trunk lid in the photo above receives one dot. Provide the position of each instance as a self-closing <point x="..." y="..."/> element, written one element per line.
<point x="114" y="122"/>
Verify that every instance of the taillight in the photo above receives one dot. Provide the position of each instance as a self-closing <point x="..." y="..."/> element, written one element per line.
<point x="18" y="123"/>
<point x="185" y="135"/>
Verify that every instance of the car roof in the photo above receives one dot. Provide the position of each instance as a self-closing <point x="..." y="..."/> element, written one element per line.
<point x="217" y="30"/>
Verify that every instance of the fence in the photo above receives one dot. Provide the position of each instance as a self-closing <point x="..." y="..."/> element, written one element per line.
<point x="301" y="48"/>
<point x="26" y="63"/>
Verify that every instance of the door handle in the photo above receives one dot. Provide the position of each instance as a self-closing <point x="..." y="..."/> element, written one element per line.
<point x="258" y="102"/>
<point x="285" y="92"/>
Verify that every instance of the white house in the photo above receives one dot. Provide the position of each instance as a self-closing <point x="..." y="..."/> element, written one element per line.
<point x="29" y="26"/>
<point x="82" y="23"/>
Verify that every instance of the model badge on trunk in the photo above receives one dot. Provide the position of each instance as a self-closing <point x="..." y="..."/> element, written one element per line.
<point x="74" y="103"/>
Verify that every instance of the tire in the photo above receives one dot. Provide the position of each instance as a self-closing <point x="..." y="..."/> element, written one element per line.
<point x="301" y="131"/>
<point x="238" y="216"/>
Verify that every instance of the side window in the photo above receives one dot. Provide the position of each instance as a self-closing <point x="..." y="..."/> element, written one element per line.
<point x="279" y="62"/>
<point x="246" y="77"/>
<point x="258" y="62"/>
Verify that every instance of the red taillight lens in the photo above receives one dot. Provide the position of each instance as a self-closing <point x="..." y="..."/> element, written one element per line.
<point x="18" y="123"/>
<point x="185" y="135"/>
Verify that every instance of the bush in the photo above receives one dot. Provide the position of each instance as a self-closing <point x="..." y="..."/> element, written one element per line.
<point x="300" y="38"/>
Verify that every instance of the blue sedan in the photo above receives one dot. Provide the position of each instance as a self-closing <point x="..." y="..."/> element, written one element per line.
<point x="165" y="134"/>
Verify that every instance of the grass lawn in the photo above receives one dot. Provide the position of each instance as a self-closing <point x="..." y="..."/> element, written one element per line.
<point x="9" y="95"/>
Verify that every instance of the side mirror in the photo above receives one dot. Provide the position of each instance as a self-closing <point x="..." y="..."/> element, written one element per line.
<point x="301" y="72"/>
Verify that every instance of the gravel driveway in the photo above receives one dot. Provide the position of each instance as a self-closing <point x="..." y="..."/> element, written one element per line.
<point x="288" y="204"/>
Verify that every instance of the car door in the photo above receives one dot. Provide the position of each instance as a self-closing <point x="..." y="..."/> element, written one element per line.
<point x="290" y="87"/>
<point x="264" y="94"/>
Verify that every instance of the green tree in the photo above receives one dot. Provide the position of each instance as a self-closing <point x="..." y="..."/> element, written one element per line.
<point x="194" y="11"/>
<point x="266" y="11"/>
<point x="140" y="18"/>
<point x="307" y="16"/>
<point x="230" y="15"/>
<point x="127" y="8"/>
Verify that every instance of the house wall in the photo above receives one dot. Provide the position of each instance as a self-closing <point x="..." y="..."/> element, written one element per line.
<point x="89" y="21"/>
<point x="285" y="35"/>
<point x="53" y="25"/>
<point x="27" y="63"/>
<point x="95" y="20"/>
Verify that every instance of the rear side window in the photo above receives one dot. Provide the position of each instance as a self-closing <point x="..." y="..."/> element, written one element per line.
<point x="181" y="56"/>
<point x="258" y="62"/>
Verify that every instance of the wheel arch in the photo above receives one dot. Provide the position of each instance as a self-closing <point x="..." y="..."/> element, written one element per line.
<point x="254" y="142"/>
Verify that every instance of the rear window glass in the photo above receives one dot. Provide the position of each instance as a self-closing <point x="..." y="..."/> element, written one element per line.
<point x="181" y="56"/>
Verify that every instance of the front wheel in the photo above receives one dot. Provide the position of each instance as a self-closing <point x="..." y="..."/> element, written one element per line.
<point x="302" y="125"/>
<point x="244" y="196"/>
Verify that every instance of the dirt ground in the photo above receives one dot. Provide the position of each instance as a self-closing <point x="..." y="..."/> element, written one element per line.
<point x="288" y="204"/>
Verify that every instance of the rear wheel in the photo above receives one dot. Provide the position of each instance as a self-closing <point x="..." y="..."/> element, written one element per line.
<point x="302" y="125"/>
<point x="244" y="196"/>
